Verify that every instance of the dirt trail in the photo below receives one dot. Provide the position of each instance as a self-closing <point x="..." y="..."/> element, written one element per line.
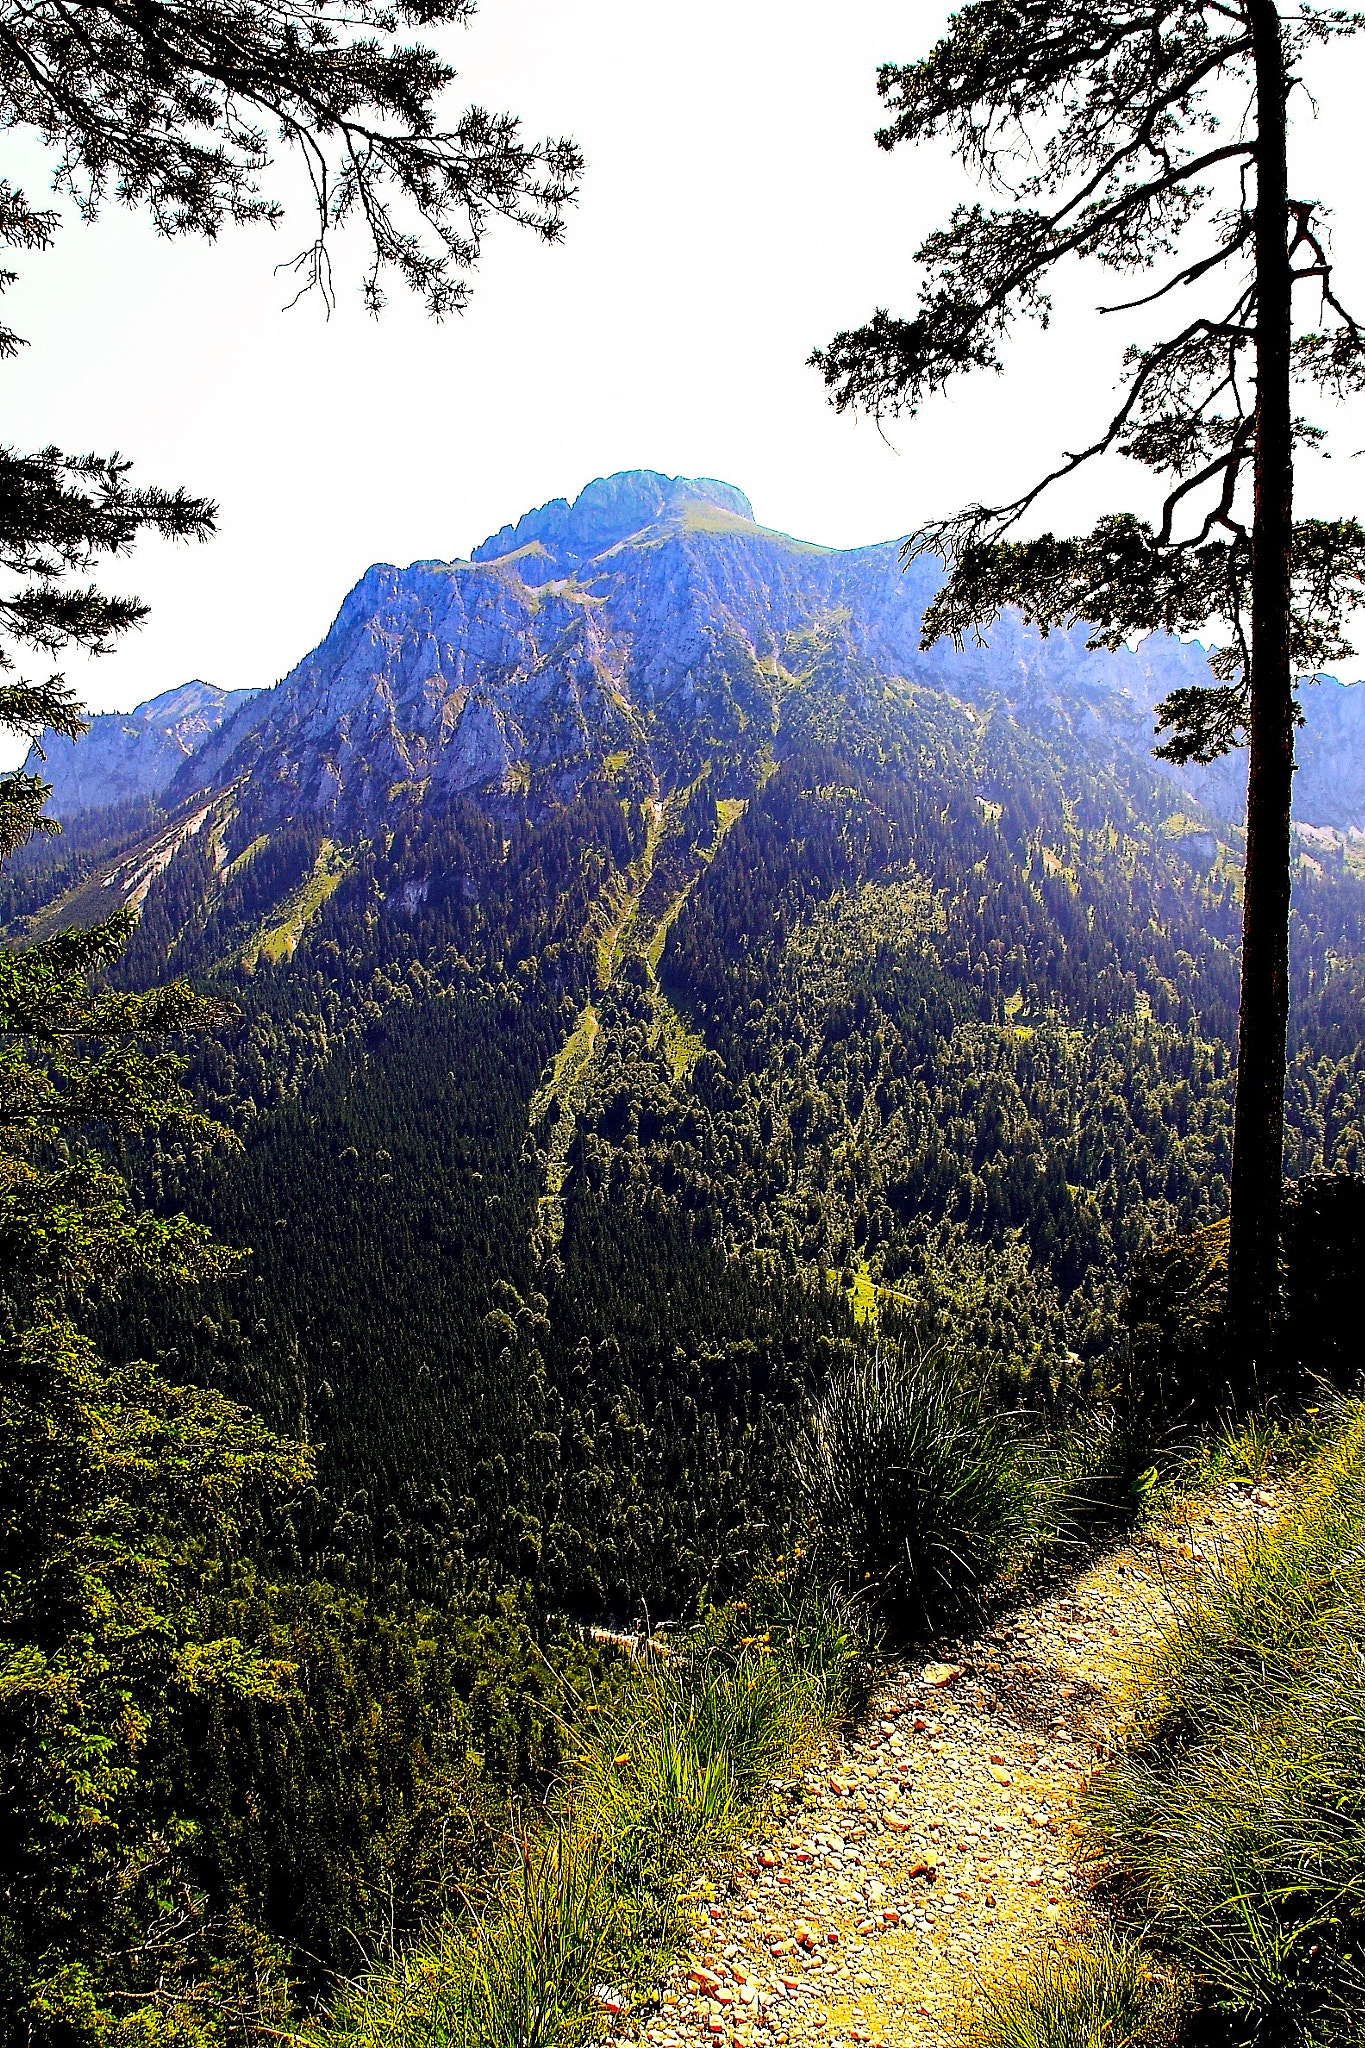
<point x="932" y="1842"/>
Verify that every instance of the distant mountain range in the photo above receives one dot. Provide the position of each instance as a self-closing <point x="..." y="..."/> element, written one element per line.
<point x="130" y="754"/>
<point x="652" y="617"/>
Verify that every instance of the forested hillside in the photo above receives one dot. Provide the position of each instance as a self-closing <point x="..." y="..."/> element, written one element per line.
<point x="577" y="1124"/>
<point x="650" y="988"/>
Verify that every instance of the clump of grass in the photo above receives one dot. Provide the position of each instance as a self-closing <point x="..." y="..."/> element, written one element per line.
<point x="530" y="1974"/>
<point x="522" y="1973"/>
<point x="670" y="1771"/>
<point x="1267" y="1445"/>
<point x="1265" y="1613"/>
<point x="813" y="1629"/>
<point x="1102" y="1475"/>
<point x="671" y="1776"/>
<point x="921" y="1493"/>
<point x="1235" y="1823"/>
<point x="1100" y="1993"/>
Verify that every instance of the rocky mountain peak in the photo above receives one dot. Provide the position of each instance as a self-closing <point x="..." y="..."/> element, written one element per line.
<point x="606" y="511"/>
<point x="131" y="754"/>
<point x="653" y="634"/>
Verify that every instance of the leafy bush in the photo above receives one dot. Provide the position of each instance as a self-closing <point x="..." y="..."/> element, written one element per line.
<point x="922" y="1496"/>
<point x="1095" y="1994"/>
<point x="1235" y="1824"/>
<point x="1324" y="1256"/>
<point x="118" y="1493"/>
<point x="1177" y="1293"/>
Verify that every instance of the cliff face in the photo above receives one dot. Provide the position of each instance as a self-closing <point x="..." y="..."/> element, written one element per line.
<point x="653" y="622"/>
<point x="131" y="754"/>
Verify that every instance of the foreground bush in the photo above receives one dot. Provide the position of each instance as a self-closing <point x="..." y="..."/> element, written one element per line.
<point x="922" y="1495"/>
<point x="1323" y="1256"/>
<point x="1094" y="1994"/>
<point x="1177" y="1367"/>
<point x="1235" y="1825"/>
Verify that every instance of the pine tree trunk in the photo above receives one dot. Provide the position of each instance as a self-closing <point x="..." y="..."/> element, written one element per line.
<point x="1258" y="1123"/>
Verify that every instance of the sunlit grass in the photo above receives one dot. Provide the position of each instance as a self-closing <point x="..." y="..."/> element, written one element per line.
<point x="1096" y="1993"/>
<point x="670" y="1770"/>
<point x="1234" y="1825"/>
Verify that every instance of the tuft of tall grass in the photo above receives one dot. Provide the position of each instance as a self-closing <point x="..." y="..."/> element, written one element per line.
<point x="1100" y="1993"/>
<point x="1235" y="1823"/>
<point x="921" y="1493"/>
<point x="529" y="1975"/>
<point x="1267" y="1610"/>
<point x="674" y="1771"/>
<point x="1101" y="1475"/>
<point x="522" y="1973"/>
<point x="669" y="1772"/>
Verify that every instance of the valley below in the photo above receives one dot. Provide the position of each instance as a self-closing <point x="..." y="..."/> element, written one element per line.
<point x="639" y="949"/>
<point x="658" y="1001"/>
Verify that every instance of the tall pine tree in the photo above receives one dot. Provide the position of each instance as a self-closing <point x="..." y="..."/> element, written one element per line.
<point x="1152" y="138"/>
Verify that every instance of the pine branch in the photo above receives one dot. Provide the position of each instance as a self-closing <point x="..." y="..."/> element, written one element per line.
<point x="176" y="106"/>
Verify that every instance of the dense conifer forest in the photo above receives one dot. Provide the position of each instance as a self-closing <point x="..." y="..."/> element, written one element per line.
<point x="650" y="1130"/>
<point x="579" y="1149"/>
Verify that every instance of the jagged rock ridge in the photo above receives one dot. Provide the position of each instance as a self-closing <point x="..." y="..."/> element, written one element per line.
<point x="131" y="754"/>
<point x="654" y="620"/>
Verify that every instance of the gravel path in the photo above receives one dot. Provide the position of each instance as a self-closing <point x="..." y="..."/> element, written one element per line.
<point x="934" y="1840"/>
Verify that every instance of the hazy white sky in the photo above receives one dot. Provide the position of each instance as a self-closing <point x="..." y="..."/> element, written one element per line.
<point x="734" y="214"/>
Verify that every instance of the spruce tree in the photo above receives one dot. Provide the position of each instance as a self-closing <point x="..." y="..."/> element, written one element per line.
<point x="1152" y="138"/>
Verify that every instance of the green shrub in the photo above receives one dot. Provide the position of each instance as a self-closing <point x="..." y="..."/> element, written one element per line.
<point x="921" y="1494"/>
<point x="1177" y="1368"/>
<point x="1094" y="1994"/>
<point x="1173" y="1313"/>
<point x="1323" y="1241"/>
<point x="1235" y="1823"/>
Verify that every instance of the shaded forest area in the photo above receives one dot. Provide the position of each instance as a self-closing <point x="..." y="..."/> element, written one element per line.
<point x="936" y="1030"/>
<point x="899" y="1019"/>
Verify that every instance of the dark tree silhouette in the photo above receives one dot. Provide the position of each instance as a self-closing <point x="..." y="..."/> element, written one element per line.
<point x="1153" y="138"/>
<point x="179" y="109"/>
<point x="121" y="1493"/>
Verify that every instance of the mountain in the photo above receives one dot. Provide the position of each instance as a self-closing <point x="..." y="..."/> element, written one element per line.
<point x="651" y="616"/>
<point x="130" y="754"/>
<point x="647" y="985"/>
<point x="653" y="605"/>
<point x="559" y="537"/>
<point x="643" y="956"/>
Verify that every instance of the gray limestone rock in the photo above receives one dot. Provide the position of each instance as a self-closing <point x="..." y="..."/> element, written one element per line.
<point x="131" y="754"/>
<point x="653" y="620"/>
